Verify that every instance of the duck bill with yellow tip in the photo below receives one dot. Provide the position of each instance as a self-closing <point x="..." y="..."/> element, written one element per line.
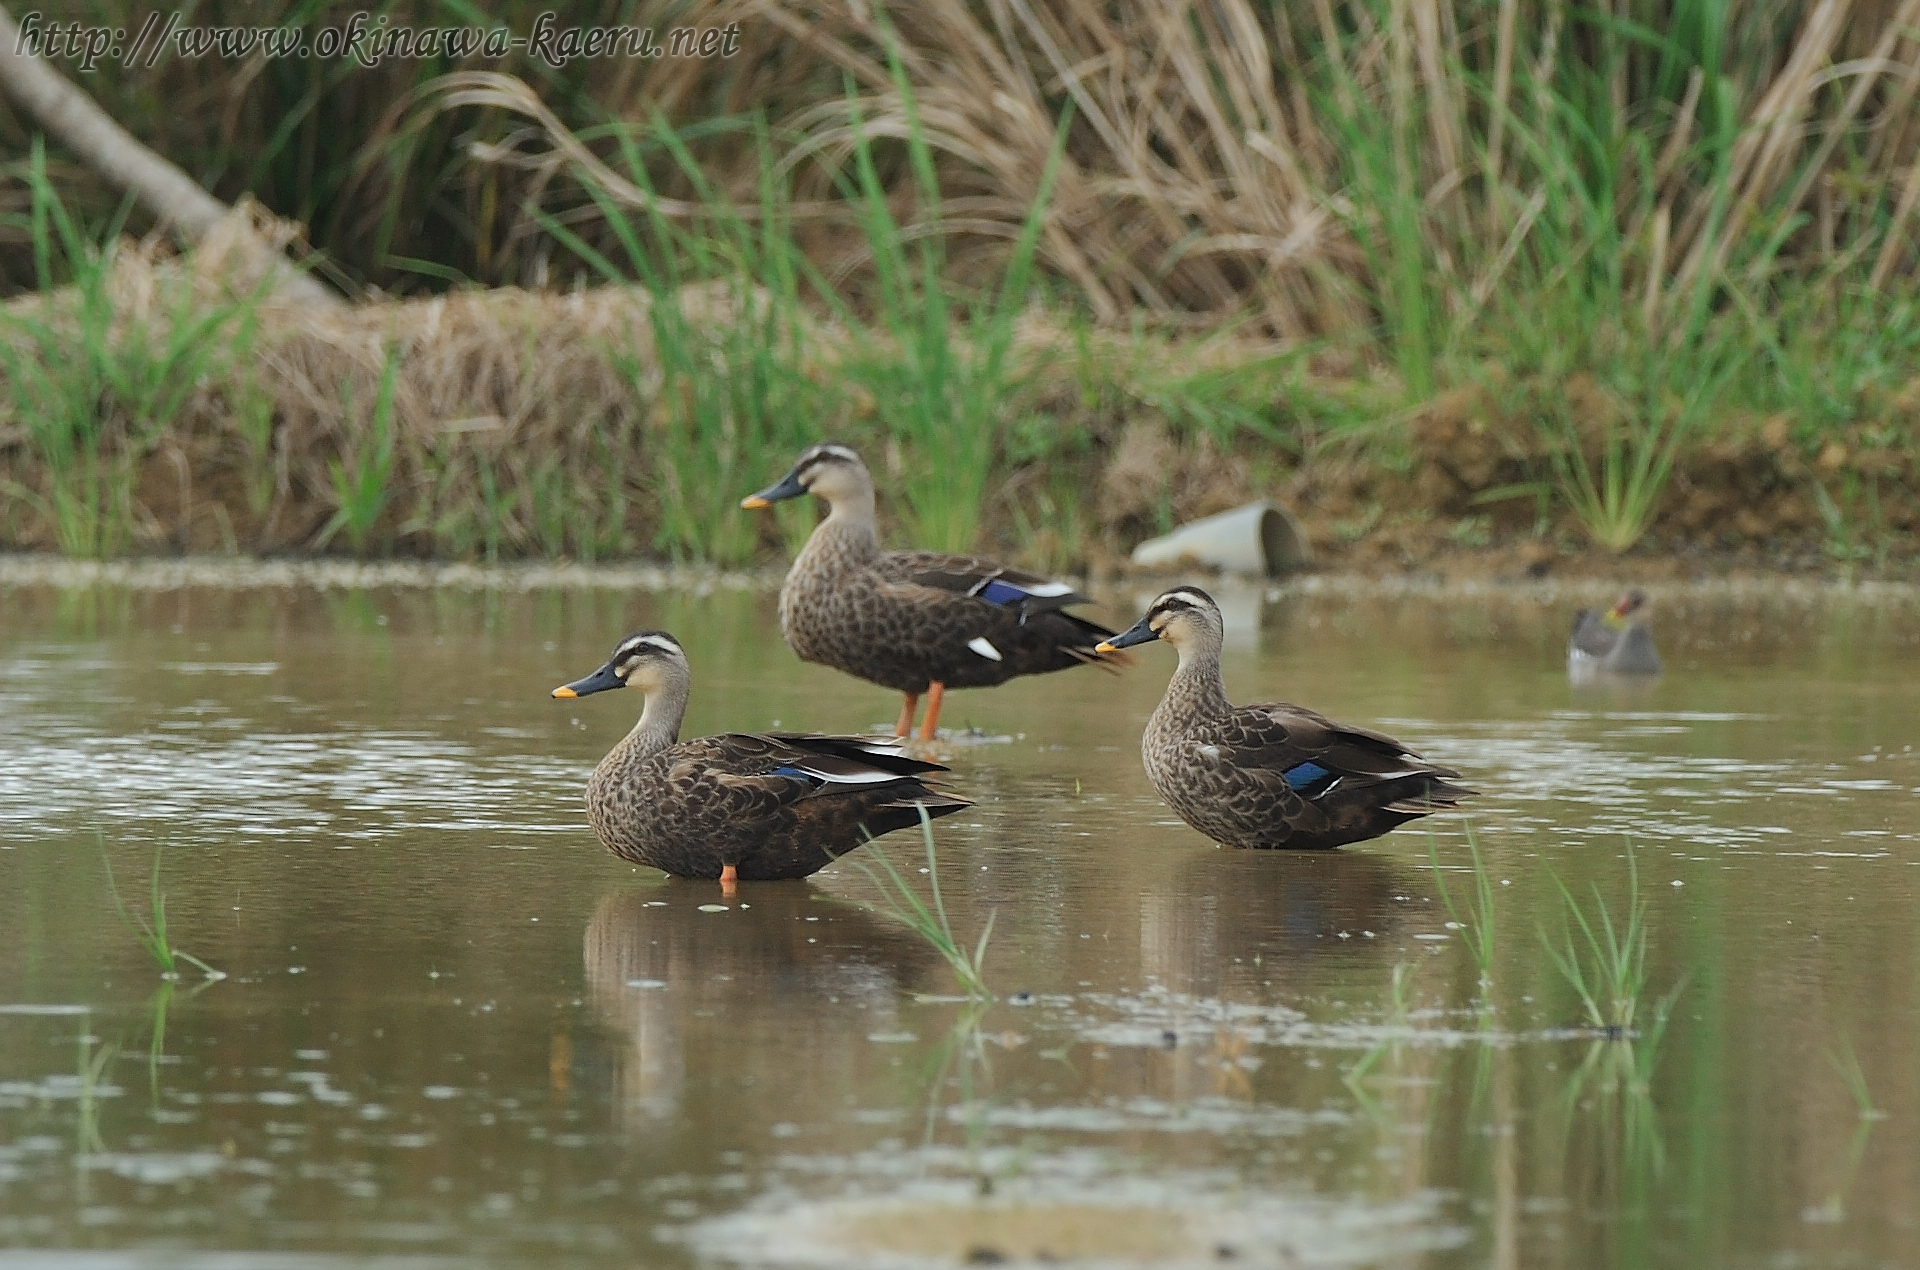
<point x="1139" y="633"/>
<point x="599" y="681"/>
<point x="786" y="487"/>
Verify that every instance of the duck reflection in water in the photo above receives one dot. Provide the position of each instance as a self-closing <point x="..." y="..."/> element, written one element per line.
<point x="1240" y="929"/>
<point x="1234" y="923"/>
<point x="724" y="1013"/>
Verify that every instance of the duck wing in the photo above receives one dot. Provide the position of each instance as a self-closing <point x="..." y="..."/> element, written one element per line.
<point x="1317" y="759"/>
<point x="845" y="761"/>
<point x="984" y="622"/>
<point x="1635" y="654"/>
<point x="777" y="805"/>
<point x="1592" y="635"/>
<point x="981" y="579"/>
<point x="750" y="775"/>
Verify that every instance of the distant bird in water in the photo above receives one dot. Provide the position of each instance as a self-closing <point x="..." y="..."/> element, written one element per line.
<point x="1617" y="641"/>
<point x="915" y="621"/>
<point x="1269" y="775"/>
<point x="740" y="805"/>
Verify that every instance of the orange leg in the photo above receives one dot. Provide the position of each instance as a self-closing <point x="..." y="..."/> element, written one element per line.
<point x="729" y="880"/>
<point x="935" y="691"/>
<point x="910" y="703"/>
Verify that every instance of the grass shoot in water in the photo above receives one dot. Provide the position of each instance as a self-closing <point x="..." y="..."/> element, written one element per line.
<point x="1847" y="1064"/>
<point x="1398" y="1019"/>
<point x="90" y="1067"/>
<point x="1473" y="915"/>
<point x="901" y="901"/>
<point x="151" y="930"/>
<point x="1604" y="960"/>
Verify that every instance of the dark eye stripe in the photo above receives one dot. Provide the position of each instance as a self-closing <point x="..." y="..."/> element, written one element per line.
<point x="824" y="454"/>
<point x="649" y="644"/>
<point x="1177" y="602"/>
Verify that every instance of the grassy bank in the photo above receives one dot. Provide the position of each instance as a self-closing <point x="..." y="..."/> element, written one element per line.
<point x="1504" y="279"/>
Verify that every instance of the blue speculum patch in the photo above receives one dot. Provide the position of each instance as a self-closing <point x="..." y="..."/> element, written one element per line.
<point x="1305" y="774"/>
<point x="999" y="592"/>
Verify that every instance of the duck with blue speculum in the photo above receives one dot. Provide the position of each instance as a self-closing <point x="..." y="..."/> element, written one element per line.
<point x="919" y="622"/>
<point x="739" y="805"/>
<point x="1273" y="774"/>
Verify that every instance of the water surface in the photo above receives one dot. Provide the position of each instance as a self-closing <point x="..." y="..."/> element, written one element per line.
<point x="455" y="1032"/>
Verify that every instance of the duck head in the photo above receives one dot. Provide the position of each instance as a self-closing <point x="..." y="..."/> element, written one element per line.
<point x="1630" y="603"/>
<point x="1185" y="617"/>
<point x="828" y="471"/>
<point x="647" y="660"/>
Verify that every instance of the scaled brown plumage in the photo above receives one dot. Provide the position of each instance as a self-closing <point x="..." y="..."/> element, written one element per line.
<point x="1269" y="775"/>
<point x="768" y="805"/>
<point x="915" y="621"/>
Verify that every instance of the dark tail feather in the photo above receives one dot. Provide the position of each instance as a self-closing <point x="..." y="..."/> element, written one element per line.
<point x="1422" y="794"/>
<point x="1088" y="635"/>
<point x="938" y="802"/>
<point x="1109" y="662"/>
<point x="866" y="751"/>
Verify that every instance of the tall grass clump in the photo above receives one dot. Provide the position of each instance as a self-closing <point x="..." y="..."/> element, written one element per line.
<point x="927" y="918"/>
<point x="1398" y="170"/>
<point x="725" y="355"/>
<point x="1637" y="201"/>
<point x="363" y="478"/>
<point x="937" y="365"/>
<point x="731" y="365"/>
<point x="96" y="377"/>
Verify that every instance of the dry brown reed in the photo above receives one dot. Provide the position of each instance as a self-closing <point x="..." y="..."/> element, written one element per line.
<point x="513" y="414"/>
<point x="1211" y="171"/>
<point x="1214" y="170"/>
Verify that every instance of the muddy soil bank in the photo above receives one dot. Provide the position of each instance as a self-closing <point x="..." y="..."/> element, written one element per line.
<point x="1474" y="493"/>
<point x="514" y="425"/>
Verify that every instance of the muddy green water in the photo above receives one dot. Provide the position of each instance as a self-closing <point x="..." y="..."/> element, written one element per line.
<point x="455" y="1032"/>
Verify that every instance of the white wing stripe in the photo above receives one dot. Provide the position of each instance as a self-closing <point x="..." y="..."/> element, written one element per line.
<point x="846" y="778"/>
<point x="980" y="645"/>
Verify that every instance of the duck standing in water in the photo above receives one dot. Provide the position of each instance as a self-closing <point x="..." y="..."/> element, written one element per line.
<point x="740" y="805"/>
<point x="915" y="621"/>
<point x="1617" y="641"/>
<point x="1268" y="775"/>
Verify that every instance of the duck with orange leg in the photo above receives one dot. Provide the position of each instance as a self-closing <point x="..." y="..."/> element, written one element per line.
<point x="919" y="622"/>
<point x="1269" y="775"/>
<point x="739" y="806"/>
